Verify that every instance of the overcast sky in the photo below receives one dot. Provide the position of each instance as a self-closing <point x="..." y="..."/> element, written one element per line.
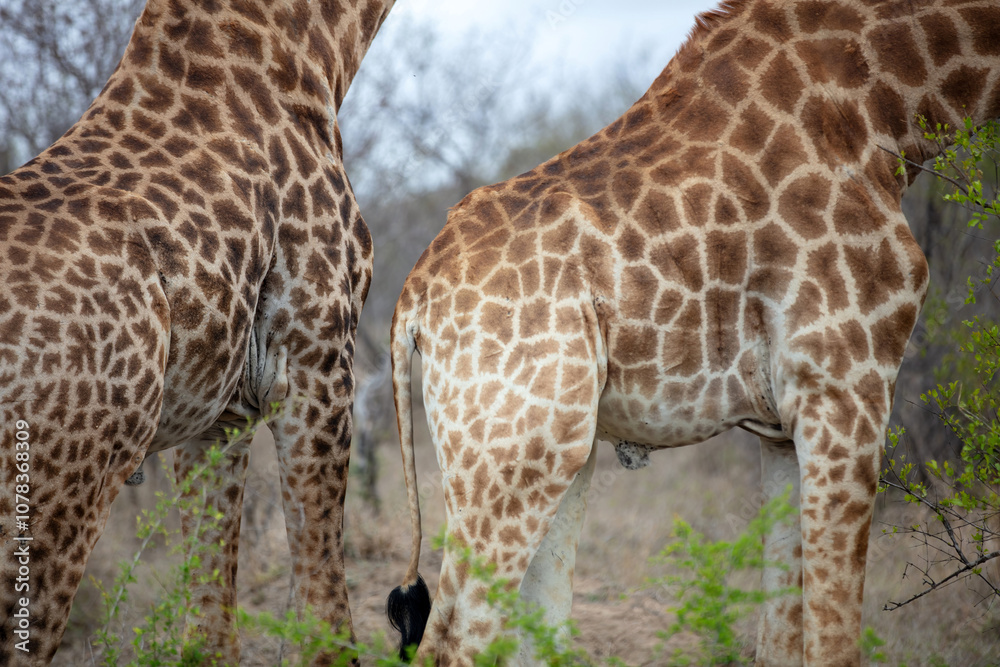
<point x="572" y="36"/>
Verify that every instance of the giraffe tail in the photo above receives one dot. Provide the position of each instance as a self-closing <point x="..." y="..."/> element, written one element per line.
<point x="409" y="605"/>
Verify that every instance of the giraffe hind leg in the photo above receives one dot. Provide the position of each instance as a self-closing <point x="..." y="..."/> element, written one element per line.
<point x="548" y="583"/>
<point x="216" y="545"/>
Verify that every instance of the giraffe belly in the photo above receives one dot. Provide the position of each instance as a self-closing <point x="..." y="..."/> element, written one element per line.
<point x="637" y="420"/>
<point x="644" y="405"/>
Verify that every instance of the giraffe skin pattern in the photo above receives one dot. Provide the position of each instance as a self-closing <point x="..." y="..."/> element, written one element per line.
<point x="186" y="255"/>
<point x="730" y="252"/>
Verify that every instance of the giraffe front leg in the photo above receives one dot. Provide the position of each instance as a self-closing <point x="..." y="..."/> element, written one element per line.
<point x="839" y="448"/>
<point x="779" y="632"/>
<point x="548" y="582"/>
<point x="219" y="488"/>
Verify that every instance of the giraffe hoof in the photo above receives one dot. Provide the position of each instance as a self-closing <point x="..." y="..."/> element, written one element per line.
<point x="632" y="455"/>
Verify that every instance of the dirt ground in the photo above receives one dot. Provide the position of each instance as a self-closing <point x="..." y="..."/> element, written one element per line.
<point x="713" y="486"/>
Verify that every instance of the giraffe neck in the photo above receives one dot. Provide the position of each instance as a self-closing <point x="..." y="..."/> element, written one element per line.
<point x="274" y="59"/>
<point x="845" y="76"/>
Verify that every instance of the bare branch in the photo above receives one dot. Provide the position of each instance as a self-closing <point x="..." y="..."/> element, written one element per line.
<point x="892" y="606"/>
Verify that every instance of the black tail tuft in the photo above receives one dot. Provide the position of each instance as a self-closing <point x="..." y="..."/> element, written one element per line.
<point x="408" y="609"/>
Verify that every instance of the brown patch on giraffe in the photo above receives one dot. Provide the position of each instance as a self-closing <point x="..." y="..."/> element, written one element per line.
<point x="657" y="214"/>
<point x="773" y="247"/>
<point x="781" y="84"/>
<point x="736" y="397"/>
<point x="631" y="244"/>
<point x="668" y="306"/>
<point x="916" y="262"/>
<point x="836" y="476"/>
<point x="682" y="352"/>
<point x="729" y="82"/>
<point x="626" y="186"/>
<point x="702" y="120"/>
<point x="530" y="276"/>
<point x="726" y="212"/>
<point x="634" y="344"/>
<point x="855" y="511"/>
<point x="577" y="385"/>
<point x="844" y="412"/>
<point x="890" y="334"/>
<point x="876" y="274"/>
<point x="504" y="283"/>
<point x="727" y="256"/>
<point x="855" y="213"/>
<point x="748" y="52"/>
<point x="865" y="472"/>
<point x="806" y="311"/>
<point x="750" y="136"/>
<point x="898" y="53"/>
<point x="834" y="502"/>
<point x="941" y="36"/>
<point x="964" y="88"/>
<point x="747" y="189"/>
<point x="560" y="241"/>
<point x="553" y="207"/>
<point x="693" y="163"/>
<point x="771" y="20"/>
<point x="881" y="171"/>
<point x="679" y="261"/>
<point x="838" y="130"/>
<point x="835" y="60"/>
<point x="803" y="205"/>
<point x="783" y="154"/>
<point x="597" y="264"/>
<point x="816" y="15"/>
<point x="887" y="110"/>
<point x="823" y="265"/>
<point x="697" y="204"/>
<point x="535" y="318"/>
<point x="637" y="285"/>
<point x="871" y="390"/>
<point x="770" y="281"/>
<point x="721" y="40"/>
<point x="722" y="309"/>
<point x="839" y="353"/>
<point x="496" y="320"/>
<point x="985" y="25"/>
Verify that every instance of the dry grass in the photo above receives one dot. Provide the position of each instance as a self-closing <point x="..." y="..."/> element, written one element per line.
<point x="713" y="486"/>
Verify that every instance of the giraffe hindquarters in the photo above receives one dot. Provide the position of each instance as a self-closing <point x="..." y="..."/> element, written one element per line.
<point x="779" y="632"/>
<point x="214" y="543"/>
<point x="548" y="582"/>
<point x="513" y="416"/>
<point x="462" y="623"/>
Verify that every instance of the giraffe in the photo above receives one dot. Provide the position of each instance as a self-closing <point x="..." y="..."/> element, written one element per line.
<point x="188" y="254"/>
<point x="730" y="252"/>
